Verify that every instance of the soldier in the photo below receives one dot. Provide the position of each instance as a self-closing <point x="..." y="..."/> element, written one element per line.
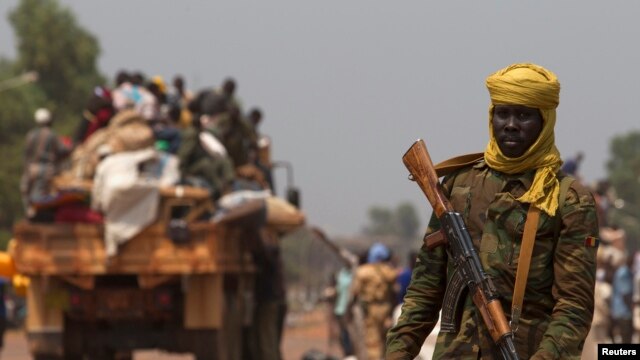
<point x="373" y="290"/>
<point x="198" y="167"/>
<point x="236" y="135"/>
<point x="519" y="171"/>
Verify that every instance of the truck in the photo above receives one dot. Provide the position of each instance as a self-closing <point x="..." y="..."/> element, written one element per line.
<point x="183" y="284"/>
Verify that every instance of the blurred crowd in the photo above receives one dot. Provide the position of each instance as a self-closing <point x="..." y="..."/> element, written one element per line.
<point x="616" y="316"/>
<point x="363" y="297"/>
<point x="204" y="139"/>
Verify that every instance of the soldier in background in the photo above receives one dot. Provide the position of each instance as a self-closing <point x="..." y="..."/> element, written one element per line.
<point x="373" y="289"/>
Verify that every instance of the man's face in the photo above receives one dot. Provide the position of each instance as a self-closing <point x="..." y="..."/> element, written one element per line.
<point x="516" y="128"/>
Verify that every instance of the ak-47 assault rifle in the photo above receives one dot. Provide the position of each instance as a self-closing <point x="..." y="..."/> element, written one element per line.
<point x="468" y="269"/>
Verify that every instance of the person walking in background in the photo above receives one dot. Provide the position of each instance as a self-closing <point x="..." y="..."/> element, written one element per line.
<point x="343" y="281"/>
<point x="404" y="278"/>
<point x="636" y="298"/>
<point x="600" y="332"/>
<point x="622" y="301"/>
<point x="373" y="289"/>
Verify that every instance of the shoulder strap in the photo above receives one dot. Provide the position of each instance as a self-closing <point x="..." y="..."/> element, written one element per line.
<point x="448" y="166"/>
<point x="524" y="260"/>
<point x="526" y="249"/>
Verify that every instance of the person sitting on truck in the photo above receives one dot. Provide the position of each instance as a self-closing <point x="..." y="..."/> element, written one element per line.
<point x="96" y="115"/>
<point x="43" y="154"/>
<point x="199" y="167"/>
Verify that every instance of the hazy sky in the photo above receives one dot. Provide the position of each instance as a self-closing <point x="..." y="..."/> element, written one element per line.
<point x="347" y="86"/>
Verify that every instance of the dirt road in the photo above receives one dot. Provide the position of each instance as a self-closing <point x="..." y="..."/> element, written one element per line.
<point x="304" y="331"/>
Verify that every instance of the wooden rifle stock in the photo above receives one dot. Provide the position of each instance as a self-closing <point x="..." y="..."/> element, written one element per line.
<point x="422" y="171"/>
<point x="461" y="252"/>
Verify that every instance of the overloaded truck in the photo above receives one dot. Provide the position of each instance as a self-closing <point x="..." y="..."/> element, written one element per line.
<point x="182" y="284"/>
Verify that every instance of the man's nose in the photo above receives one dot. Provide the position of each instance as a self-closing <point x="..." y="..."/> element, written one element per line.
<point x="512" y="123"/>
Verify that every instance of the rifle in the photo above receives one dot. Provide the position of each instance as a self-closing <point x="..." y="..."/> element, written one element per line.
<point x="468" y="269"/>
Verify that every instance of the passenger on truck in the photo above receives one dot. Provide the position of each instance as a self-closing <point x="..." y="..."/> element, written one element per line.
<point x="43" y="154"/>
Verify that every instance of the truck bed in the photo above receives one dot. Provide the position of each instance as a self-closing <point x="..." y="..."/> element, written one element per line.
<point x="78" y="249"/>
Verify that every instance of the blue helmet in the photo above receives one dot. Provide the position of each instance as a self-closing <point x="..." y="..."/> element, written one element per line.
<point x="377" y="253"/>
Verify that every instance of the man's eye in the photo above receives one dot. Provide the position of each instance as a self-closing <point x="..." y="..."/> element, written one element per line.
<point x="524" y="115"/>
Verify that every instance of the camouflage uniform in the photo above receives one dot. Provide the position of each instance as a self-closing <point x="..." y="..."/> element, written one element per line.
<point x="373" y="287"/>
<point x="558" y="302"/>
<point x="237" y="137"/>
<point x="218" y="172"/>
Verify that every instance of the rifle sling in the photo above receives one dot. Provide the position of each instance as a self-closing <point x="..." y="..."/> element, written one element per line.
<point x="524" y="261"/>
<point x="526" y="249"/>
<point x="445" y="168"/>
<point x="448" y="166"/>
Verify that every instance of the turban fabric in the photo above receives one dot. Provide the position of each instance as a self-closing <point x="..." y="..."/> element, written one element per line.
<point x="532" y="86"/>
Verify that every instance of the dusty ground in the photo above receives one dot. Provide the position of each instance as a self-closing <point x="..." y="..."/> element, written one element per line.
<point x="304" y="332"/>
<point x="307" y="331"/>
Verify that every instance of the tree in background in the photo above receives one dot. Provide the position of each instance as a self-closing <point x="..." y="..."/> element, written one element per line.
<point x="402" y="222"/>
<point x="624" y="176"/>
<point x="407" y="222"/>
<point x="399" y="226"/>
<point x="381" y="221"/>
<point x="16" y="118"/>
<point x="50" y="42"/>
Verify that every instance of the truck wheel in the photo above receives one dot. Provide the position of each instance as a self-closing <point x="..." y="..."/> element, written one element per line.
<point x="123" y="355"/>
<point x="72" y="339"/>
<point x="205" y="344"/>
<point x="46" y="357"/>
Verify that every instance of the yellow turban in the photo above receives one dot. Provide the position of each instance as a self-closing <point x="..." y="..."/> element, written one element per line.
<point x="533" y="86"/>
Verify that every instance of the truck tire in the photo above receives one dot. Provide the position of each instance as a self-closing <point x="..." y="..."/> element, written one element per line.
<point x="109" y="354"/>
<point x="72" y="339"/>
<point x="46" y="357"/>
<point x="205" y="344"/>
<point x="123" y="355"/>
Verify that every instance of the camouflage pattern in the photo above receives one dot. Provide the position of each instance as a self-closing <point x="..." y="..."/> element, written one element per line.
<point x="373" y="288"/>
<point x="558" y="302"/>
<point x="196" y="162"/>
<point x="237" y="136"/>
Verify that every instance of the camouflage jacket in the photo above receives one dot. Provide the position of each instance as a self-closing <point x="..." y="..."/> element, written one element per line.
<point x="374" y="283"/>
<point x="558" y="302"/>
